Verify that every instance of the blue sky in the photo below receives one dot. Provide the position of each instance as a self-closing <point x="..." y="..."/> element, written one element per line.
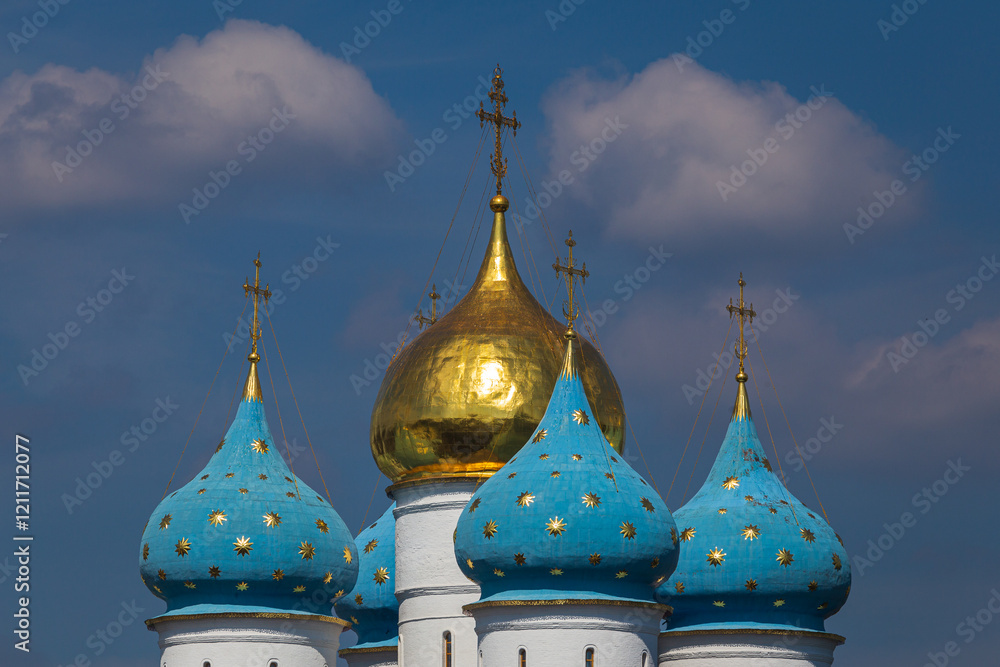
<point x="680" y="120"/>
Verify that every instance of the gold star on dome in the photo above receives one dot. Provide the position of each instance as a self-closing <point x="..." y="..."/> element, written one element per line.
<point x="242" y="586"/>
<point x="779" y="603"/>
<point x="301" y="589"/>
<point x="512" y="475"/>
<point x="262" y="476"/>
<point x="813" y="585"/>
<point x="520" y="559"/>
<point x="490" y="529"/>
<point x="555" y="526"/>
<point x="244" y="491"/>
<point x="673" y="536"/>
<point x="259" y="446"/>
<point x="381" y="576"/>
<point x="654" y="563"/>
<point x="204" y="477"/>
<point x="243" y="546"/>
<point x="591" y="500"/>
<point x="525" y="499"/>
<point x="687" y="534"/>
<point x="647" y="505"/>
<point x="289" y="494"/>
<point x="307" y="551"/>
<point x="716" y="556"/>
<point x="272" y="520"/>
<point x="543" y="457"/>
<point x="722" y="510"/>
<point x="719" y="603"/>
<point x="497" y="571"/>
<point x="785" y="557"/>
<point x="595" y="559"/>
<point x="822" y="606"/>
<point x="278" y="575"/>
<point x="182" y="547"/>
<point x="679" y="587"/>
<point x="613" y="459"/>
<point x="540" y="435"/>
<point x="751" y="584"/>
<point x="289" y="479"/>
<point x="836" y="562"/>
<point x="474" y="505"/>
<point x="730" y="483"/>
<point x="627" y="530"/>
<point x="339" y="594"/>
<point x="577" y="457"/>
<point x="808" y="535"/>
<point x="221" y="443"/>
<point x="580" y="417"/>
<point x="767" y="464"/>
<point x="468" y="562"/>
<point x="772" y="510"/>
<point x="201" y="491"/>
<point x="556" y="473"/>
<point x="145" y="551"/>
<point x="323" y="528"/>
<point x="347" y="555"/>
<point x="165" y="522"/>
<point x="555" y="572"/>
<point x="161" y="574"/>
<point x="609" y="475"/>
<point x="751" y="532"/>
<point x="157" y="589"/>
<point x="189" y="584"/>
<point x="230" y="475"/>
<point x="319" y="498"/>
<point x="359" y="599"/>
<point x="370" y="547"/>
<point x="621" y="574"/>
<point x="214" y="572"/>
<point x="839" y="539"/>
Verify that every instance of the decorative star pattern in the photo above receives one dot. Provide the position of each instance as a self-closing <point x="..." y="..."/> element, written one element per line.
<point x="731" y="483"/>
<point x="380" y="576"/>
<point x="242" y="586"/>
<point x="525" y="499"/>
<point x="214" y="571"/>
<point x="272" y="520"/>
<point x="540" y="435"/>
<point x="785" y="557"/>
<point x="498" y="572"/>
<point x="556" y="473"/>
<point x="556" y="572"/>
<point x="627" y="530"/>
<point x="577" y="457"/>
<point x="543" y="457"/>
<point x="520" y="559"/>
<point x="751" y="532"/>
<point x="370" y="547"/>
<point x="474" y="505"/>
<point x="278" y="575"/>
<point x="580" y="417"/>
<point x="595" y="559"/>
<point x="836" y="562"/>
<point x="243" y="546"/>
<point x="145" y="551"/>
<point x="716" y="556"/>
<point x="648" y="506"/>
<point x="679" y="587"/>
<point x="348" y="558"/>
<point x="259" y="446"/>
<point x="621" y="574"/>
<point x="307" y="551"/>
<point x="182" y="547"/>
<point x="719" y="603"/>
<point x="687" y="534"/>
<point x="165" y="522"/>
<point x="808" y="535"/>
<point x="555" y="526"/>
<point x="751" y="584"/>
<point x="490" y="529"/>
<point x="591" y="500"/>
<point x="323" y="528"/>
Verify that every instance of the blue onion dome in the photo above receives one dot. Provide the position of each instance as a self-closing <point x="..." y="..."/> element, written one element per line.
<point x="751" y="553"/>
<point x="566" y="517"/>
<point x="245" y="532"/>
<point x="371" y="606"/>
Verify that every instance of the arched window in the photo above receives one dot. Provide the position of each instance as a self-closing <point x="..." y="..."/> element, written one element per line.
<point x="645" y="656"/>
<point x="273" y="663"/>
<point x="522" y="658"/>
<point x="589" y="658"/>
<point x="447" y="649"/>
<point x="206" y="664"/>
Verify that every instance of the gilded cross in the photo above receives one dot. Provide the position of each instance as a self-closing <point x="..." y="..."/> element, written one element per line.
<point x="499" y="98"/>
<point x="745" y="313"/>
<point x="571" y="272"/>
<point x="257" y="293"/>
<point x="422" y="320"/>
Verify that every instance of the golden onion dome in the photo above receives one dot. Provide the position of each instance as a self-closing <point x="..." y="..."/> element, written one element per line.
<point x="468" y="392"/>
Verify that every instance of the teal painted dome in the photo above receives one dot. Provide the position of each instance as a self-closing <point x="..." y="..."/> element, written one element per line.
<point x="371" y="606"/>
<point x="245" y="531"/>
<point x="566" y="517"/>
<point x="751" y="554"/>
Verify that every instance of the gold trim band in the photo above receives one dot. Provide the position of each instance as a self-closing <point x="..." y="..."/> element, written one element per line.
<point x="367" y="649"/>
<point x="753" y="631"/>
<point x="151" y="622"/>
<point x="667" y="609"/>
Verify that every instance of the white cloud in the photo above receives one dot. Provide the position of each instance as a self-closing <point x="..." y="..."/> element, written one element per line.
<point x="686" y="130"/>
<point x="211" y="95"/>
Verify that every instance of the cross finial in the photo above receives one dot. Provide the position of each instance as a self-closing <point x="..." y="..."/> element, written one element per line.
<point x="422" y="320"/>
<point x="570" y="310"/>
<point x="257" y="293"/>
<point x="499" y="99"/>
<point x="745" y="313"/>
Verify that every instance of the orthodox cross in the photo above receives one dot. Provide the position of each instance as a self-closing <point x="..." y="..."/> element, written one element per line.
<point x="499" y="99"/>
<point x="744" y="313"/>
<point x="257" y="293"/>
<point x="571" y="272"/>
<point x="420" y="319"/>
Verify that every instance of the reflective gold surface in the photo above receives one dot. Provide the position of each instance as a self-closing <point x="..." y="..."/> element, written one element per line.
<point x="468" y="392"/>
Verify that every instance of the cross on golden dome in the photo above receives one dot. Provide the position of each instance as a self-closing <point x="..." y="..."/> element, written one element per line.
<point x="423" y="320"/>
<point x="499" y="99"/>
<point x="571" y="272"/>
